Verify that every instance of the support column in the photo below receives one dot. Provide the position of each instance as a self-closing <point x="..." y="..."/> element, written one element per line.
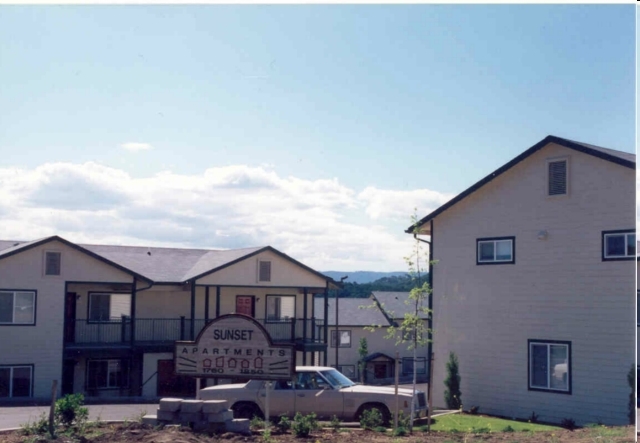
<point x="326" y="322"/>
<point x="217" y="301"/>
<point x="206" y="305"/>
<point x="193" y="311"/>
<point x="134" y="290"/>
<point x="304" y="327"/>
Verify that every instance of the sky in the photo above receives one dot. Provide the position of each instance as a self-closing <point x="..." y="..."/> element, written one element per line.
<point x="316" y="129"/>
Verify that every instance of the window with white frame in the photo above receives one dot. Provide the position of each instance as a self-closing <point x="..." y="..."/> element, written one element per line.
<point x="16" y="381"/>
<point x="107" y="374"/>
<point x="619" y="245"/>
<point x="420" y="364"/>
<point x="17" y="307"/>
<point x="550" y="366"/>
<point x="52" y="263"/>
<point x="345" y="338"/>
<point x="108" y="307"/>
<point x="281" y="307"/>
<point x="557" y="174"/>
<point x="496" y="250"/>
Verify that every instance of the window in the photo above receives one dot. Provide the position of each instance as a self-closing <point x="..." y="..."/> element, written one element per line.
<point x="15" y="381"/>
<point x="52" y="261"/>
<point x="557" y="176"/>
<point x="17" y="307"/>
<point x="345" y="339"/>
<point x="281" y="307"/>
<point x="106" y="307"/>
<point x="264" y="270"/>
<point x="550" y="366"/>
<point x="420" y="363"/>
<point x="498" y="250"/>
<point x="107" y="374"/>
<point x="619" y="245"/>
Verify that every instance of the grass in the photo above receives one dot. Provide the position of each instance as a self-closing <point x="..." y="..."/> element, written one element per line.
<point x="482" y="424"/>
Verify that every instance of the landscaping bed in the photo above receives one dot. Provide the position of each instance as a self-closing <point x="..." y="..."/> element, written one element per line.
<point x="135" y="432"/>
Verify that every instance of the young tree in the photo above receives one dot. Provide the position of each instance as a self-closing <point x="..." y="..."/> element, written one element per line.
<point x="452" y="395"/>
<point x="413" y="331"/>
<point x="363" y="351"/>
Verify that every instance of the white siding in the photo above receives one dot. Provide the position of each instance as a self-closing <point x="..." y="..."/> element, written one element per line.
<point x="558" y="289"/>
<point x="41" y="345"/>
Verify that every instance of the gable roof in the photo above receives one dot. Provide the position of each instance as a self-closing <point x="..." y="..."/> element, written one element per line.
<point x="350" y="312"/>
<point x="394" y="304"/>
<point x="159" y="265"/>
<point x="621" y="158"/>
<point x="21" y="247"/>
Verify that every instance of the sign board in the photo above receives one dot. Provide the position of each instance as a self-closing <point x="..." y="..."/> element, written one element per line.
<point x="234" y="346"/>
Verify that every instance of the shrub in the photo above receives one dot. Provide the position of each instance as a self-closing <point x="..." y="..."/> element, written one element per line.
<point x="533" y="418"/>
<point x="38" y="427"/>
<point x="400" y="431"/>
<point x="69" y="410"/>
<point x="266" y="435"/>
<point x="284" y="424"/>
<point x="371" y="418"/>
<point x="303" y="425"/>
<point x="380" y="429"/>
<point x="568" y="423"/>
<point x="256" y="423"/>
<point x="335" y="424"/>
<point x="452" y="395"/>
<point x="508" y="428"/>
<point x="474" y="410"/>
<point x="404" y="421"/>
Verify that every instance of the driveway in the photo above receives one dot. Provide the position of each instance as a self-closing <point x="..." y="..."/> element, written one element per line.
<point x="14" y="416"/>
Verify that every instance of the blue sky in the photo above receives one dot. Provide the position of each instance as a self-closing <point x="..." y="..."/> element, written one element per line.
<point x="344" y="118"/>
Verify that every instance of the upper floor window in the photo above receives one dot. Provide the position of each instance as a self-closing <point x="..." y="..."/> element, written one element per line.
<point x="106" y="307"/>
<point x="17" y="307"/>
<point x="498" y="250"/>
<point x="345" y="339"/>
<point x="619" y="245"/>
<point x="557" y="177"/>
<point x="281" y="307"/>
<point x="52" y="262"/>
<point x="550" y="366"/>
<point x="264" y="270"/>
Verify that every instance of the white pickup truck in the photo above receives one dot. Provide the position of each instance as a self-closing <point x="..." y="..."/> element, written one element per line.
<point x="322" y="390"/>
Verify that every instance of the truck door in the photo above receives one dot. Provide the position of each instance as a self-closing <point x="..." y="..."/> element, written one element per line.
<point x="315" y="394"/>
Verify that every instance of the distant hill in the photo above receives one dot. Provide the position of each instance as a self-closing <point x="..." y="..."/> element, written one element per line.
<point x="362" y="276"/>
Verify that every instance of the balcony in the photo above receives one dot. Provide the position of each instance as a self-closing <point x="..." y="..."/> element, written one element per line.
<point x="154" y="332"/>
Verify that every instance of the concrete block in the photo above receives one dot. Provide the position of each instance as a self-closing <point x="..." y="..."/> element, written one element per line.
<point x="238" y="425"/>
<point x="149" y="419"/>
<point x="190" y="417"/>
<point x="220" y="417"/>
<point x="214" y="406"/>
<point x="170" y="404"/>
<point x="167" y="415"/>
<point x="191" y="406"/>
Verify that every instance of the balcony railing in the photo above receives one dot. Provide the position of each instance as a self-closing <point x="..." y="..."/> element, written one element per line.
<point x="164" y="330"/>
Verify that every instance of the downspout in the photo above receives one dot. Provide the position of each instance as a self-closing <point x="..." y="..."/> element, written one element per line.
<point x="429" y="321"/>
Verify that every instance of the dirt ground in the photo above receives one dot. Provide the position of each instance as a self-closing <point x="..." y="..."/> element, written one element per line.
<point x="137" y="433"/>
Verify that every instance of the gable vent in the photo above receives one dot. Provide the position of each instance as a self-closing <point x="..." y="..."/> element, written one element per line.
<point x="558" y="177"/>
<point x="52" y="263"/>
<point x="264" y="270"/>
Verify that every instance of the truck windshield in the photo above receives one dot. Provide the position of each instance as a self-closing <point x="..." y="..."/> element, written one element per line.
<point x="337" y="379"/>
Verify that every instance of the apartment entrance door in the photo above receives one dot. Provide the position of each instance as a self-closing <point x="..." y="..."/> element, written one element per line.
<point x="245" y="305"/>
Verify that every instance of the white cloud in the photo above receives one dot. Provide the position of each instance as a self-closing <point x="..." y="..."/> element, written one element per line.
<point x="399" y="205"/>
<point x="322" y="223"/>
<point x="134" y="146"/>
